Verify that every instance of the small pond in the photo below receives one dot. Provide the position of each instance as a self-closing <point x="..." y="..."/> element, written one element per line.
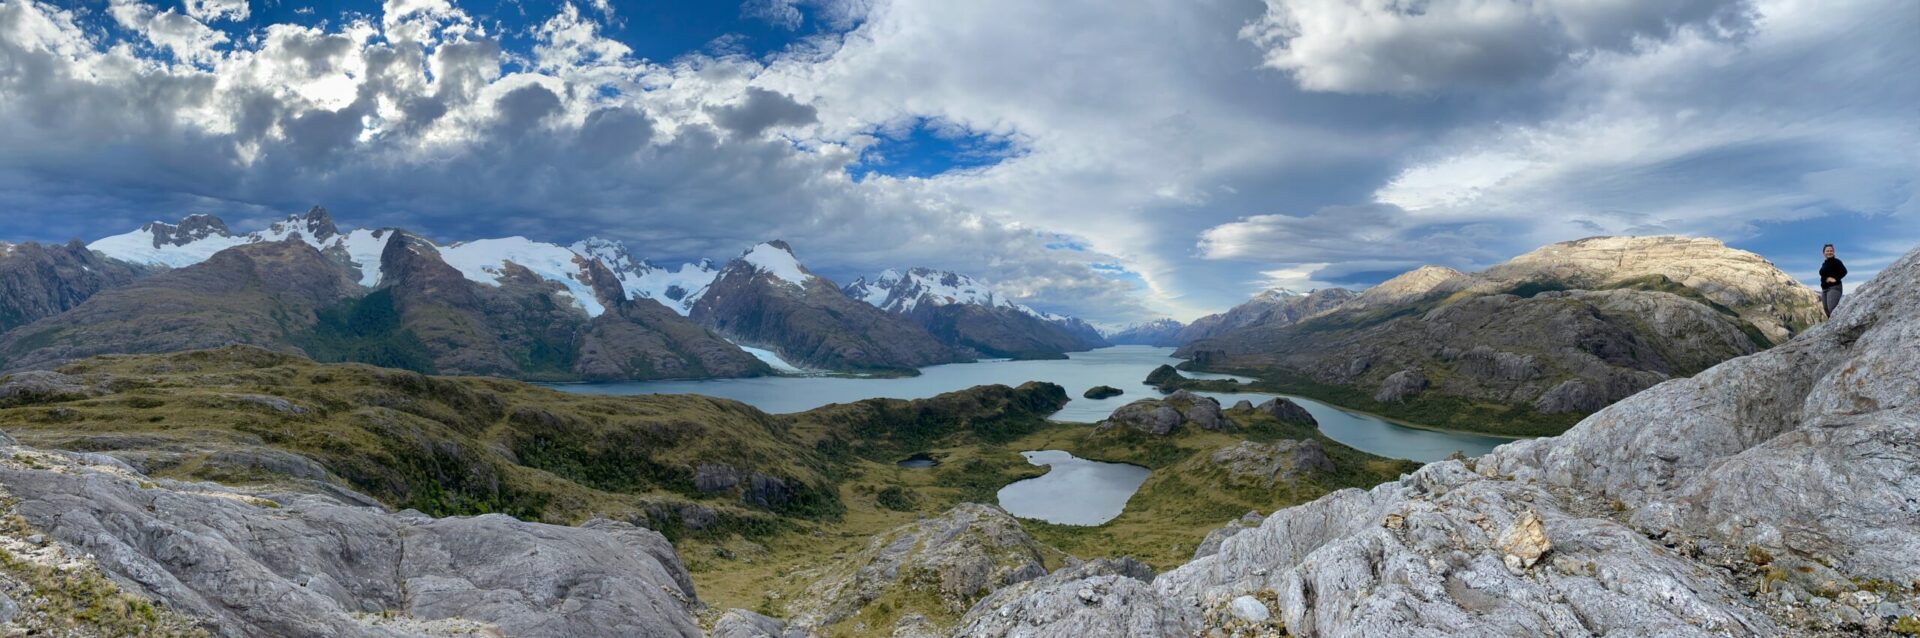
<point x="919" y="461"/>
<point x="1074" y="491"/>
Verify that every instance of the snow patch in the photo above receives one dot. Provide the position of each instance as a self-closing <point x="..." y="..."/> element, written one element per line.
<point x="771" y="359"/>
<point x="363" y="248"/>
<point x="483" y="261"/>
<point x="138" y="247"/>
<point x="773" y="260"/>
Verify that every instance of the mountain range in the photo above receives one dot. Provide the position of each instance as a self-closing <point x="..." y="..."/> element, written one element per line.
<point x="510" y="306"/>
<point x="1565" y="329"/>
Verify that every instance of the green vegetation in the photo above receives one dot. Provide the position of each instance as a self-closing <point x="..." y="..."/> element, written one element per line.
<point x="365" y="330"/>
<point x="455" y="446"/>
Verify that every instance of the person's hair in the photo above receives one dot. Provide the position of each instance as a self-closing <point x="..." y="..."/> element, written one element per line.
<point x="1826" y="246"/>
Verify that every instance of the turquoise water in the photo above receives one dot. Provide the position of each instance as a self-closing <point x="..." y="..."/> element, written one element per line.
<point x="1074" y="491"/>
<point x="1123" y="367"/>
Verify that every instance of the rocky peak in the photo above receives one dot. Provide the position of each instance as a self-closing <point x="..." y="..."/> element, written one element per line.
<point x="773" y="258"/>
<point x="192" y="228"/>
<point x="1413" y="285"/>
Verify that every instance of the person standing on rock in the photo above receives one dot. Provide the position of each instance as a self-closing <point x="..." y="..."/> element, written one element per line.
<point x="1831" y="272"/>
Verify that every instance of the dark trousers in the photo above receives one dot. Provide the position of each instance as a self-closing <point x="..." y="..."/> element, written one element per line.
<point x="1830" y="297"/>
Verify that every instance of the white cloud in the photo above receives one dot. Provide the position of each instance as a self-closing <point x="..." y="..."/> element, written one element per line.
<point x="211" y="10"/>
<point x="1414" y="46"/>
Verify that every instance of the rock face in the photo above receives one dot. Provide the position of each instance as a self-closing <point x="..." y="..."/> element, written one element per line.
<point x="1272" y="308"/>
<point x="1160" y="417"/>
<point x="258" y="294"/>
<point x="955" y="558"/>
<point x="1659" y="515"/>
<point x="766" y="298"/>
<point x="967" y="313"/>
<point x="1570" y="327"/>
<point x="252" y="564"/>
<point x="38" y="281"/>
<point x="1264" y="464"/>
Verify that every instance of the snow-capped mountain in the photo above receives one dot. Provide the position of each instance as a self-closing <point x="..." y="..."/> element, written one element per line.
<point x="198" y="237"/>
<point x="766" y="298"/>
<point x="1158" y="332"/>
<point x="969" y="313"/>
<point x="676" y="288"/>
<point x="1272" y="308"/>
<point x="896" y="291"/>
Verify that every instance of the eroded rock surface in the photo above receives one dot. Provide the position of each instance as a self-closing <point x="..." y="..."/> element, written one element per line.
<point x="274" y="564"/>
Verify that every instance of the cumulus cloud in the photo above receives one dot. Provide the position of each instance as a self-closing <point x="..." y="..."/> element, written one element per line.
<point x="1408" y="46"/>
<point x="211" y="10"/>
<point x="1161" y="169"/>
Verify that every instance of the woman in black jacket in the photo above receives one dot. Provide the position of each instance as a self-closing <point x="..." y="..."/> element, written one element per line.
<point x="1831" y="272"/>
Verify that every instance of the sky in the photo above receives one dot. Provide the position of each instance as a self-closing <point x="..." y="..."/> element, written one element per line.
<point x="1115" y="161"/>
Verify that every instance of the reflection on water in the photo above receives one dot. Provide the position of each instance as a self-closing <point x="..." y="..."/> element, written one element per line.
<point x="1123" y="367"/>
<point x="1075" y="491"/>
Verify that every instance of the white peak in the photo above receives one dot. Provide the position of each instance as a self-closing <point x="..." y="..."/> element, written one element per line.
<point x="484" y="260"/>
<point x="776" y="258"/>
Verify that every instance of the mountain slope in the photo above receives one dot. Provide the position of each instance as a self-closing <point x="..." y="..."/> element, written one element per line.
<point x="966" y="313"/>
<point x="1271" y="308"/>
<point x="1566" y="329"/>
<point x="262" y="294"/>
<point x="38" y="281"/>
<point x="1763" y="497"/>
<point x="766" y="298"/>
<point x="529" y="326"/>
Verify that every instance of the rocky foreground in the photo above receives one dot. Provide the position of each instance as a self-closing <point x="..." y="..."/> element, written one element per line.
<point x="1774" y="494"/>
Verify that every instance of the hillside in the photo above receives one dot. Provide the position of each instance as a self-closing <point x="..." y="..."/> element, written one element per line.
<point x="1563" y="330"/>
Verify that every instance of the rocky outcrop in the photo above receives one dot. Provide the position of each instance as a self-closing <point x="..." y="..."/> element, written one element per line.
<point x="38" y="281"/>
<point x="1164" y="377"/>
<point x="1103" y="392"/>
<point x="1285" y="410"/>
<point x="1211" y="543"/>
<point x="1160" y="417"/>
<point x="766" y="298"/>
<point x="1570" y="327"/>
<point x="250" y="563"/>
<point x="1265" y="464"/>
<point x="1781" y="473"/>
<point x="1401" y="386"/>
<point x="954" y="559"/>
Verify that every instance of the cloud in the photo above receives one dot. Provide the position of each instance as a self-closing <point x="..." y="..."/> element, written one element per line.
<point x="1367" y="46"/>
<point x="1340" y="239"/>
<point x="1163" y="165"/>
<point x="762" y="110"/>
<point x="211" y="10"/>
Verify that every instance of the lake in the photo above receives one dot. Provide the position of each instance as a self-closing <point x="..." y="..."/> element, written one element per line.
<point x="1074" y="491"/>
<point x="1123" y="367"/>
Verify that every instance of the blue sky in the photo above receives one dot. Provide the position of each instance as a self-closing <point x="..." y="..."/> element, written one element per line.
<point x="1119" y="162"/>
